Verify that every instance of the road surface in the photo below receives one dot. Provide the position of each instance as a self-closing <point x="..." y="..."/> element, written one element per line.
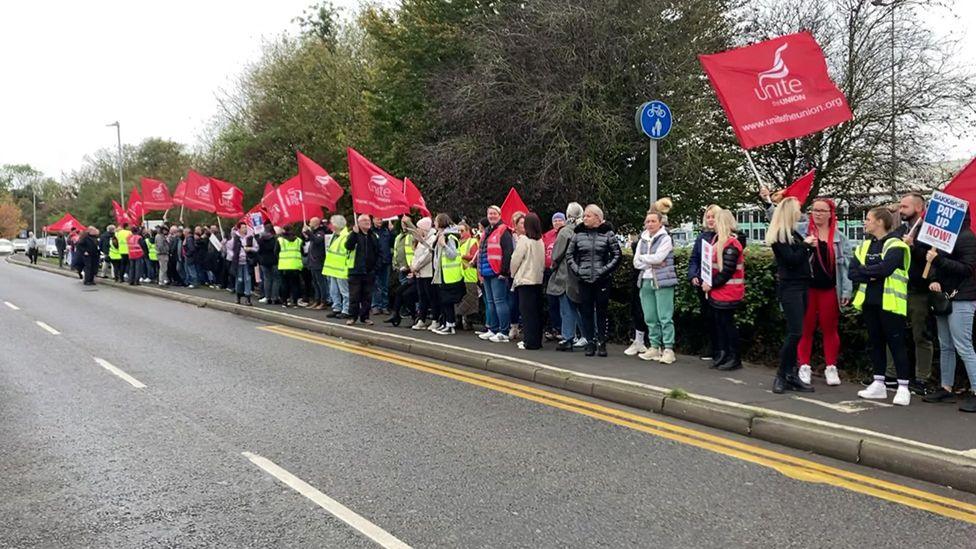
<point x="132" y="421"/>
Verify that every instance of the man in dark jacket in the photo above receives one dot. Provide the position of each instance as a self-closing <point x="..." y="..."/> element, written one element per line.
<point x="104" y="243"/>
<point x="364" y="246"/>
<point x="384" y="237"/>
<point x="912" y="208"/>
<point x="268" y="263"/>
<point x="315" y="234"/>
<point x="87" y="249"/>
<point x="61" y="244"/>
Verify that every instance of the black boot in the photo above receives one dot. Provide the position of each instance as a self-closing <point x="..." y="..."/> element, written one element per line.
<point x="248" y="303"/>
<point x="590" y="348"/>
<point x="394" y="320"/>
<point x="733" y="363"/>
<point x="790" y="382"/>
<point x="238" y="299"/>
<point x="601" y="348"/>
<point x="720" y="358"/>
<point x="566" y="346"/>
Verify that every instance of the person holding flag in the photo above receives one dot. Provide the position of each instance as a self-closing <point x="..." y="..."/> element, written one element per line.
<point x="362" y="248"/>
<point x="880" y="272"/>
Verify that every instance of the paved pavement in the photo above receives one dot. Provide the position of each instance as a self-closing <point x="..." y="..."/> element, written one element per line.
<point x="937" y="424"/>
<point x="89" y="459"/>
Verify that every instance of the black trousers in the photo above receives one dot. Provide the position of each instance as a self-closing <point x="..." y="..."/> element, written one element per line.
<point x="594" y="301"/>
<point x="530" y="307"/>
<point x="711" y="324"/>
<point x="886" y="328"/>
<point x="361" y="295"/>
<point x="291" y="285"/>
<point x="32" y="255"/>
<point x="794" y="304"/>
<point x="424" y="298"/>
<point x="90" y="269"/>
<point x="405" y="295"/>
<point x="123" y="268"/>
<point x="726" y="332"/>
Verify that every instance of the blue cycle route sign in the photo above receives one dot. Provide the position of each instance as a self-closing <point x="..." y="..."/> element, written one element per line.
<point x="654" y="119"/>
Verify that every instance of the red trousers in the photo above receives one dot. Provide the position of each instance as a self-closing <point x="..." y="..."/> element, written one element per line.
<point x="823" y="311"/>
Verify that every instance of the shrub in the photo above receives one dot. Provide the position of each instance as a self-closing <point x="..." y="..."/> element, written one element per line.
<point x="761" y="323"/>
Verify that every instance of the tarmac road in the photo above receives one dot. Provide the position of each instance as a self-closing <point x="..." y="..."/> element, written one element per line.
<point x="186" y="430"/>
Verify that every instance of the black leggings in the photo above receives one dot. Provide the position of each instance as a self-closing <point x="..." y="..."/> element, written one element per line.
<point x="886" y="327"/>
<point x="530" y="305"/>
<point x="405" y="295"/>
<point x="424" y="297"/>
<point x="708" y="319"/>
<point x="726" y="332"/>
<point x="794" y="304"/>
<point x="291" y="285"/>
<point x="594" y="300"/>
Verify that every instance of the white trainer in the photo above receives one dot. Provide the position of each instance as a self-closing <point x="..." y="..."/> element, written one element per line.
<point x="499" y="338"/>
<point x="263" y="300"/>
<point x="580" y="342"/>
<point x="420" y="325"/>
<point x="636" y="348"/>
<point x="650" y="354"/>
<point x="667" y="357"/>
<point x="487" y="335"/>
<point x="831" y="374"/>
<point x="434" y="326"/>
<point x="875" y="391"/>
<point x="903" y="396"/>
<point x="806" y="374"/>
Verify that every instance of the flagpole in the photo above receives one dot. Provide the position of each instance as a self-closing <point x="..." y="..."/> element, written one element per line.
<point x="220" y="227"/>
<point x="165" y="214"/>
<point x="753" y="166"/>
<point x="181" y="214"/>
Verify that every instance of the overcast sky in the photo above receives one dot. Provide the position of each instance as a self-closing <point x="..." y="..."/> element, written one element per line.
<point x="70" y="68"/>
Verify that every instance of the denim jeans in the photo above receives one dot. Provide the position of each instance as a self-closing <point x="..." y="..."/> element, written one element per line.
<point x="381" y="292"/>
<point x="340" y="295"/>
<point x="571" y="321"/>
<point x="270" y="283"/>
<point x="192" y="275"/>
<point x="496" y="300"/>
<point x="956" y="337"/>
<point x="244" y="284"/>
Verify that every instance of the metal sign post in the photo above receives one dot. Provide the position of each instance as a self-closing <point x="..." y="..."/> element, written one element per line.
<point x="654" y="119"/>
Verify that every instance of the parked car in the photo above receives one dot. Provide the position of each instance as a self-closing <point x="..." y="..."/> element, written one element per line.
<point x="20" y="245"/>
<point x="50" y="249"/>
<point x="6" y="246"/>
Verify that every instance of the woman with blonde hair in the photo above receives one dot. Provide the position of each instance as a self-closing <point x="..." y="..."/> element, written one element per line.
<point x="727" y="290"/>
<point x="792" y="253"/>
<point x="593" y="255"/>
<point x="707" y="234"/>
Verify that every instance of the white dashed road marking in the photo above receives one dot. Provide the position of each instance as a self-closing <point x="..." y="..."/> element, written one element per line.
<point x="340" y="511"/>
<point x="129" y="379"/>
<point x="46" y="327"/>
<point x="11" y="305"/>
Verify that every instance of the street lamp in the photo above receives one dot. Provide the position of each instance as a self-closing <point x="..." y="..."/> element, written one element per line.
<point x="118" y="134"/>
<point x="892" y="4"/>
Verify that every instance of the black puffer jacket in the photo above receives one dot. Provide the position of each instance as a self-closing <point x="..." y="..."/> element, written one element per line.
<point x="957" y="271"/>
<point x="593" y="254"/>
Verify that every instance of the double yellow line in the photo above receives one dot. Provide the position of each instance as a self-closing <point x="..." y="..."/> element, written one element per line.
<point x="793" y="467"/>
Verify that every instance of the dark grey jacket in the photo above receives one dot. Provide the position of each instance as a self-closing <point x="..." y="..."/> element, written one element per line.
<point x="593" y="254"/>
<point x="561" y="281"/>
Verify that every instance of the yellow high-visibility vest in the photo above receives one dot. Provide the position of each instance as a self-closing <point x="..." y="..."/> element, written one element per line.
<point x="113" y="251"/>
<point x="290" y="256"/>
<point x="337" y="257"/>
<point x="895" y="296"/>
<point x="152" y="250"/>
<point x="123" y="236"/>
<point x="451" y="270"/>
<point x="470" y="272"/>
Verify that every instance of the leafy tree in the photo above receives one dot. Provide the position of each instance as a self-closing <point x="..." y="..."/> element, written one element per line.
<point x="11" y="220"/>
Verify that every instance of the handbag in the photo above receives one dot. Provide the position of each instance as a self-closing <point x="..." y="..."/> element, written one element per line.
<point x="940" y="303"/>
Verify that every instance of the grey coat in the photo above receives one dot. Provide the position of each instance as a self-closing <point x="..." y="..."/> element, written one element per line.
<point x="561" y="281"/>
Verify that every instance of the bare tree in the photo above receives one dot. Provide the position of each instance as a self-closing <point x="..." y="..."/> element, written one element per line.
<point x="933" y="93"/>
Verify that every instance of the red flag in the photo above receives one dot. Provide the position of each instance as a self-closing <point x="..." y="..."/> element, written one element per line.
<point x="65" y="224"/>
<point x="268" y="189"/>
<point x="180" y="193"/>
<point x="318" y="187"/>
<point x="284" y="204"/>
<point x="257" y="209"/>
<point x="228" y="198"/>
<point x="963" y="186"/>
<point x="513" y="203"/>
<point x="120" y="216"/>
<point x="800" y="189"/>
<point x="414" y="198"/>
<point x="374" y="191"/>
<point x="155" y="195"/>
<point x="199" y="194"/>
<point x="775" y="90"/>
<point x="135" y="209"/>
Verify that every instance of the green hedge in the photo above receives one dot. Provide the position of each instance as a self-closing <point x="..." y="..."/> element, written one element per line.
<point x="760" y="320"/>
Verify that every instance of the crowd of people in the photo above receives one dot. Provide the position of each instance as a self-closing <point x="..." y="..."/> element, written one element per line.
<point x="528" y="285"/>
